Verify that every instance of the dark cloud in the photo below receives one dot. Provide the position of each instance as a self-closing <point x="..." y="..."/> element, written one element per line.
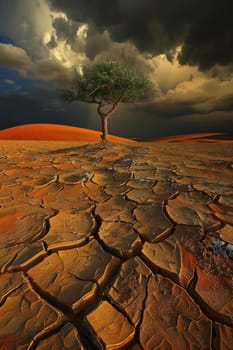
<point x="24" y="22"/>
<point x="65" y="29"/>
<point x="52" y="43"/>
<point x="205" y="28"/>
<point x="168" y="110"/>
<point x="97" y="43"/>
<point x="130" y="121"/>
<point x="46" y="70"/>
<point x="225" y="104"/>
<point x="210" y="38"/>
<point x="171" y="110"/>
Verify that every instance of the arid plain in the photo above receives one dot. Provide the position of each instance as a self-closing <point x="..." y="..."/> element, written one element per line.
<point x="128" y="246"/>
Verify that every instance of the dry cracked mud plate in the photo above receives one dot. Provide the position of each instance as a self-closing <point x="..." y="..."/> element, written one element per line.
<point x="122" y="247"/>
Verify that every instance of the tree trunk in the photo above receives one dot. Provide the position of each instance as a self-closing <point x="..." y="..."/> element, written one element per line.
<point x="104" y="135"/>
<point x="104" y="118"/>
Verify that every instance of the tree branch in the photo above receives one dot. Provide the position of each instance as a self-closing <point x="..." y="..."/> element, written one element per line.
<point x="108" y="89"/>
<point x="110" y="93"/>
<point x="101" y="113"/>
<point x="121" y="97"/>
<point x="112" y="109"/>
<point x="92" y="92"/>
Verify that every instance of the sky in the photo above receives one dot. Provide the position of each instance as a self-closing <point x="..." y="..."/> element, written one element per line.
<point x="185" y="47"/>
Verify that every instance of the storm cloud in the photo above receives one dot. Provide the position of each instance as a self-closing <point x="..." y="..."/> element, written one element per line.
<point x="42" y="70"/>
<point x="203" y="28"/>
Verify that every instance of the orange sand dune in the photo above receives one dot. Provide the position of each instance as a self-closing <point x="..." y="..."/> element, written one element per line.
<point x="54" y="132"/>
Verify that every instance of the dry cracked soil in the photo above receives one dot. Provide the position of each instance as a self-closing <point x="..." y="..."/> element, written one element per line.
<point x="124" y="247"/>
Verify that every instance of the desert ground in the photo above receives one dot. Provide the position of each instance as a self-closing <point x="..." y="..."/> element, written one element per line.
<point x="128" y="246"/>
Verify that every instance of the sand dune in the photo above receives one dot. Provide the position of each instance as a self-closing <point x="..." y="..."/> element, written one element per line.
<point x="57" y="132"/>
<point x="198" y="137"/>
<point x="54" y="132"/>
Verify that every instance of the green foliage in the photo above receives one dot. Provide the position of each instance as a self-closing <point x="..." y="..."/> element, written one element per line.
<point x="108" y="83"/>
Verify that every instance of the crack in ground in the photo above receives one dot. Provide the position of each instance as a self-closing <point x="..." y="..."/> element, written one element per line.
<point x="66" y="314"/>
<point x="138" y="326"/>
<point x="156" y="269"/>
<point x="38" y="258"/>
<point x="59" y="309"/>
<point x="215" y="339"/>
<point x="89" y="337"/>
<point x="4" y="267"/>
<point x="114" y="251"/>
<point x="213" y="315"/>
<point x="48" y="298"/>
<point x="105" y="247"/>
<point x="117" y="307"/>
<point x="43" y="335"/>
<point x="5" y="296"/>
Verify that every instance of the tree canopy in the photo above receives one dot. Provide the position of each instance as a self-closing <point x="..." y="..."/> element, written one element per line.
<point x="108" y="84"/>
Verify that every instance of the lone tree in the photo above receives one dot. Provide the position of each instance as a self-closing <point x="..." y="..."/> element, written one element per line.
<point x="107" y="84"/>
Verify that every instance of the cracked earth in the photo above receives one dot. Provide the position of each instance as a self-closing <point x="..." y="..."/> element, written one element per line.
<point x="124" y="247"/>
